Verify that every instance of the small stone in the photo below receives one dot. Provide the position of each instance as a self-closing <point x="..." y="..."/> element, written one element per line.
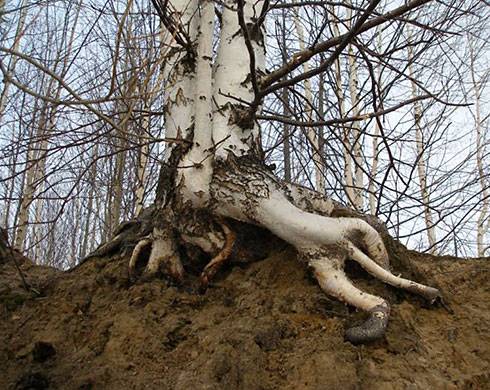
<point x="42" y="351"/>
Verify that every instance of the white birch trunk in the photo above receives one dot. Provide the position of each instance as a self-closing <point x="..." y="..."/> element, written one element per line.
<point x="421" y="164"/>
<point x="196" y="178"/>
<point x="374" y="168"/>
<point x="141" y="170"/>
<point x="33" y="177"/>
<point x="19" y="33"/>
<point x="87" y="224"/>
<point x="347" y="147"/>
<point x="232" y="72"/>
<point x="482" y="223"/>
<point x="286" y="111"/>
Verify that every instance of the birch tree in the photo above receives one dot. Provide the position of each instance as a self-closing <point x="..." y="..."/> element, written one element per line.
<point x="421" y="159"/>
<point x="355" y="129"/>
<point x="483" y="223"/>
<point x="214" y="172"/>
<point x="311" y="134"/>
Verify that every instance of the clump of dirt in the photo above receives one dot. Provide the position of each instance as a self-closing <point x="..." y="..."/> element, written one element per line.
<point x="265" y="325"/>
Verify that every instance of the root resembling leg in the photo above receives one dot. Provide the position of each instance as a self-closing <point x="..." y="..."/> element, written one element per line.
<point x="429" y="293"/>
<point x="216" y="262"/>
<point x="333" y="281"/>
<point x="262" y="200"/>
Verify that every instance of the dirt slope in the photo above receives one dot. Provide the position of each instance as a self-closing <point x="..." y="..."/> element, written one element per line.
<point x="261" y="326"/>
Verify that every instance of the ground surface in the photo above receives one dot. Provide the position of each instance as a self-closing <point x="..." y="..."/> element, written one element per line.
<point x="260" y="326"/>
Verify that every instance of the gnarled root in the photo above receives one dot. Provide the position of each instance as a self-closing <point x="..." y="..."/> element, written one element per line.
<point x="213" y="236"/>
<point x="136" y="254"/>
<point x="332" y="280"/>
<point x="217" y="261"/>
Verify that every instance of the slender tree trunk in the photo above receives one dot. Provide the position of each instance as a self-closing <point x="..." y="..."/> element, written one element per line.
<point x="90" y="205"/>
<point x="14" y="163"/>
<point x="19" y="33"/>
<point x="142" y="162"/>
<point x="118" y="184"/>
<point x="356" y="125"/>
<point x="347" y="147"/>
<point x="421" y="164"/>
<point x="286" y="132"/>
<point x="375" y="160"/>
<point x="482" y="223"/>
<point x="108" y="207"/>
<point x="34" y="175"/>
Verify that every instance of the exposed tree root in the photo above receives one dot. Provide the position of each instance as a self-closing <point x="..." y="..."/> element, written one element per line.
<point x="249" y="193"/>
<point x="164" y="254"/>
<point x="246" y="192"/>
<point x="215" y="264"/>
<point x="136" y="254"/>
<point x="127" y="235"/>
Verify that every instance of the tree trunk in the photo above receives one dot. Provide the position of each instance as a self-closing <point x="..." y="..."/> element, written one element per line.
<point x="346" y="143"/>
<point x="373" y="202"/>
<point x="483" y="222"/>
<point x="421" y="163"/>
<point x="355" y="129"/>
<point x="214" y="184"/>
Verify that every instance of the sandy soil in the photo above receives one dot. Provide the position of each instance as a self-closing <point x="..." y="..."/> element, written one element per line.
<point x="265" y="325"/>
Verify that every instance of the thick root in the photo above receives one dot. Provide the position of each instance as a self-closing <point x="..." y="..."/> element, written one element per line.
<point x="245" y="191"/>
<point x="429" y="293"/>
<point x="332" y="280"/>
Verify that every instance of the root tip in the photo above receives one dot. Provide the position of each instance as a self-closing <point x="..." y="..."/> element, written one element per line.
<point x="372" y="329"/>
<point x="433" y="295"/>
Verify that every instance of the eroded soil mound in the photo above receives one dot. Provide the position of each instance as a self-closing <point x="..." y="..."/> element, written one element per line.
<point x="265" y="325"/>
